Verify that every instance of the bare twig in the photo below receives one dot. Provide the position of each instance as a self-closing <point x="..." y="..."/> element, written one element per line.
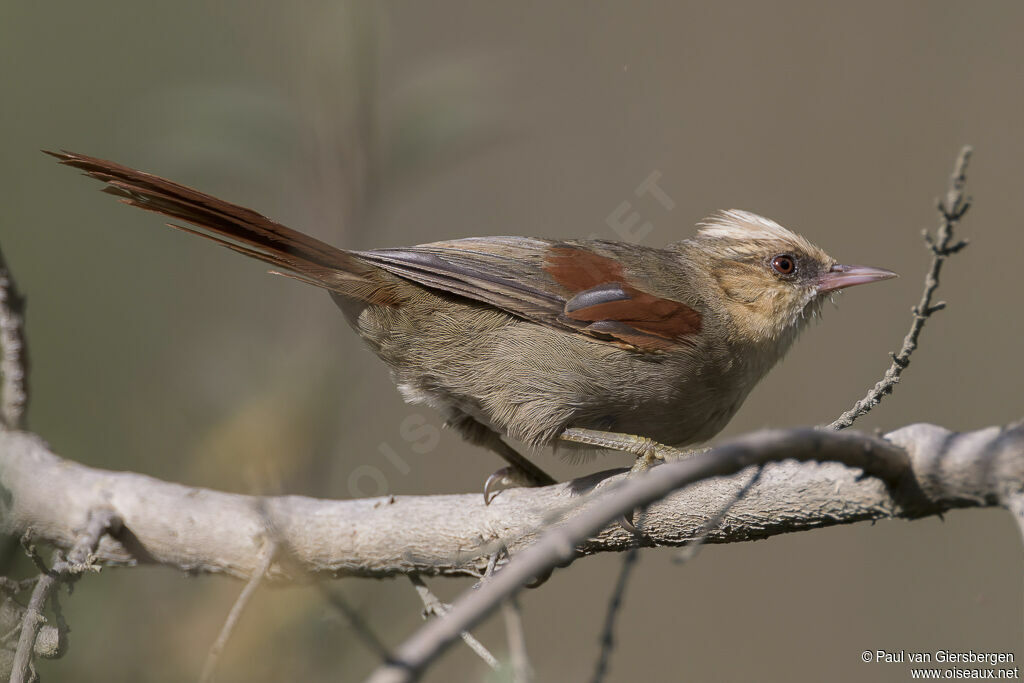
<point x="690" y="550"/>
<point x="14" y="363"/>
<point x="614" y="605"/>
<point x="492" y="561"/>
<point x="522" y="671"/>
<point x="951" y="209"/>
<point x="370" y="639"/>
<point x="30" y="626"/>
<point x="432" y="606"/>
<point x="64" y="570"/>
<point x="213" y="657"/>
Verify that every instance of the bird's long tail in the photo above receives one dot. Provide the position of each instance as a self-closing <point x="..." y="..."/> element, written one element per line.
<point x="243" y="230"/>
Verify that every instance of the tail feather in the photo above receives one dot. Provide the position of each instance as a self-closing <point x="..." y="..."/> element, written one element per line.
<point x="239" y="229"/>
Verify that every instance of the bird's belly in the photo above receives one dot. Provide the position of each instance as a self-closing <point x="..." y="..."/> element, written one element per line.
<point x="531" y="382"/>
<point x="675" y="421"/>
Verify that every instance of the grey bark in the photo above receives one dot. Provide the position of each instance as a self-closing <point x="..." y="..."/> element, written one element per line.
<point x="201" y="530"/>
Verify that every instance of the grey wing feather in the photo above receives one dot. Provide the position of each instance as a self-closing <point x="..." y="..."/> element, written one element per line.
<point x="506" y="272"/>
<point x="608" y="292"/>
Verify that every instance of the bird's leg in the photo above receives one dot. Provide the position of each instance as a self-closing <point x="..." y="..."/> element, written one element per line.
<point x="520" y="472"/>
<point x="647" y="451"/>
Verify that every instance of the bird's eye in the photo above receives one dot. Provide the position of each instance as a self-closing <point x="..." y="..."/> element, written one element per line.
<point x="784" y="264"/>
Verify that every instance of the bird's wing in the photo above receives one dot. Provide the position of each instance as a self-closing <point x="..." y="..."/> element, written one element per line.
<point x="575" y="286"/>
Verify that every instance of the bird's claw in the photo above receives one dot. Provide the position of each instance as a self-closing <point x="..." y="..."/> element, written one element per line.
<point x="507" y="478"/>
<point x="626" y="522"/>
<point x="496" y="482"/>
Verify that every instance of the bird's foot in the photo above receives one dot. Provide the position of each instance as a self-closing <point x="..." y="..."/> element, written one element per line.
<point x="521" y="472"/>
<point x="511" y="477"/>
<point x="648" y="453"/>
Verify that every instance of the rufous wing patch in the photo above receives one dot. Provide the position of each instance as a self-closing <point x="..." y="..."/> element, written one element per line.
<point x="602" y="298"/>
<point x="579" y="269"/>
<point x="636" y="308"/>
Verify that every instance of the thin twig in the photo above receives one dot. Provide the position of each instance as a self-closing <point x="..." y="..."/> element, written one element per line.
<point x="614" y="606"/>
<point x="31" y="622"/>
<point x="522" y="671"/>
<point x="492" y="562"/>
<point x="213" y="657"/>
<point x="356" y="621"/>
<point x="691" y="549"/>
<point x="951" y="209"/>
<point x="65" y="570"/>
<point x="432" y="606"/>
<point x="520" y="660"/>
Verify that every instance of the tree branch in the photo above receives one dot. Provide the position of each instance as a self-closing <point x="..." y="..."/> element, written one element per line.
<point x="199" y="530"/>
<point x="938" y="469"/>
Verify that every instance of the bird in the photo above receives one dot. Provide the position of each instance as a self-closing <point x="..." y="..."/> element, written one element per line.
<point x="572" y="342"/>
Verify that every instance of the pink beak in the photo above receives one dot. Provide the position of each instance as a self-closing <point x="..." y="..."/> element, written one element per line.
<point x="840" y="277"/>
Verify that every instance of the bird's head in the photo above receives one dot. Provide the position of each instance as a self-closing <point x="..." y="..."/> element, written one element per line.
<point x="770" y="280"/>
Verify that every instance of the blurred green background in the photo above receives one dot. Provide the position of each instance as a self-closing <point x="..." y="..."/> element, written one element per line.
<point x="386" y="124"/>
